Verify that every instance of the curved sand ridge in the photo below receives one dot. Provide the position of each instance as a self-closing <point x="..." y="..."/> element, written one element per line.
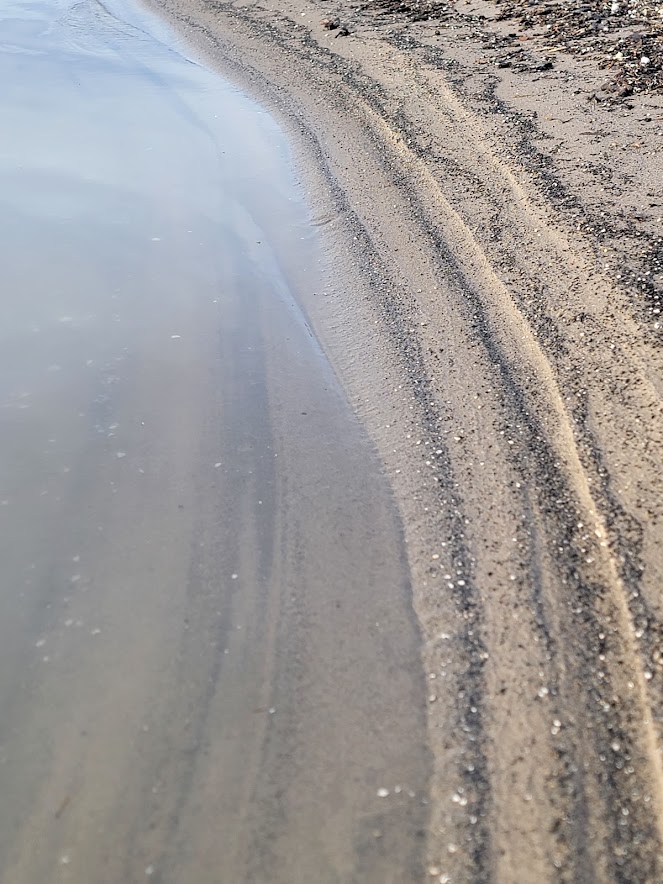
<point x="513" y="392"/>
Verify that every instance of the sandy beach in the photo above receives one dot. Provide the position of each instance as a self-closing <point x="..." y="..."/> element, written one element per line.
<point x="493" y="249"/>
<point x="331" y="442"/>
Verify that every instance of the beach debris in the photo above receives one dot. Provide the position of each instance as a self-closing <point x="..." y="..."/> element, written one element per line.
<point x="622" y="36"/>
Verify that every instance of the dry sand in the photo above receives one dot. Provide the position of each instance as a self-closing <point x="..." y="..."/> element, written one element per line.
<point x="493" y="312"/>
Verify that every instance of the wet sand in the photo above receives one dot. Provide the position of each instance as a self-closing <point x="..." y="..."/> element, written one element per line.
<point x="209" y="664"/>
<point x="495" y="321"/>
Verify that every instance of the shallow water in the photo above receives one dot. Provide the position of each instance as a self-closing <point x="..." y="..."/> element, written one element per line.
<point x="208" y="663"/>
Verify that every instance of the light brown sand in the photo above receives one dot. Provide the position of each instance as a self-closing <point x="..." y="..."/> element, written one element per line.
<point x="505" y="359"/>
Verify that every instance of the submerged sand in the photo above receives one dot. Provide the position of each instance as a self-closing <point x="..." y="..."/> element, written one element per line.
<point x="493" y="312"/>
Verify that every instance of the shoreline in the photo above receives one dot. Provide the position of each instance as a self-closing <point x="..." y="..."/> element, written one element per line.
<point x="501" y="380"/>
